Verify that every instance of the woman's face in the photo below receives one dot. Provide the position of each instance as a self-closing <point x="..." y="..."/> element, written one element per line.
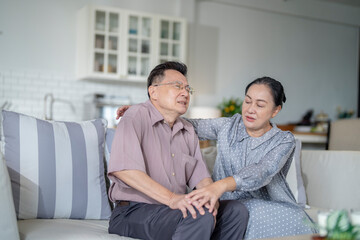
<point x="258" y="108"/>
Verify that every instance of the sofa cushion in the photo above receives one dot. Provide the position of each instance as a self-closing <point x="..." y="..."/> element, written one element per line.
<point x="294" y="176"/>
<point x="69" y="229"/>
<point x="8" y="225"/>
<point x="109" y="136"/>
<point x="209" y="155"/>
<point x="110" y="133"/>
<point x="56" y="168"/>
<point x="331" y="178"/>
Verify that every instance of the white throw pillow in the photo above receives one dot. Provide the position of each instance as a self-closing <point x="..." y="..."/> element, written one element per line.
<point x="8" y="223"/>
<point x="56" y="168"/>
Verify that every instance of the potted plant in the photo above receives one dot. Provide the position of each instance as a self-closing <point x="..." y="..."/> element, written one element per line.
<point x="229" y="107"/>
<point x="339" y="227"/>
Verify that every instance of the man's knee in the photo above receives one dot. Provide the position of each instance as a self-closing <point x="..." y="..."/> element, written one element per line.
<point x="207" y="218"/>
<point x="236" y="210"/>
<point x="205" y="221"/>
<point x="199" y="228"/>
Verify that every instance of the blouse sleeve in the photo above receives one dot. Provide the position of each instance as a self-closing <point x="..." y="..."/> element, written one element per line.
<point x="207" y="129"/>
<point x="255" y="176"/>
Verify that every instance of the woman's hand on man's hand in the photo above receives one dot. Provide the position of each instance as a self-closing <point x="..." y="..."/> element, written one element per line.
<point x="178" y="201"/>
<point x="207" y="196"/>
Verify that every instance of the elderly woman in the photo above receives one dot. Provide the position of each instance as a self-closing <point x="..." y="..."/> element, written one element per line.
<point x="253" y="159"/>
<point x="252" y="162"/>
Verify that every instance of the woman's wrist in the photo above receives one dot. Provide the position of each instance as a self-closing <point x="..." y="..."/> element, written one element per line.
<point x="228" y="184"/>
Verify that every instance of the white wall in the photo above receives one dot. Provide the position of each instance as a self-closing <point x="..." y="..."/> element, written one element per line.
<point x="40" y="34"/>
<point x="37" y="55"/>
<point x="314" y="56"/>
<point x="310" y="46"/>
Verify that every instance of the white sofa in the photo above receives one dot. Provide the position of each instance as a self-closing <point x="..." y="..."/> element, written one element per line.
<point x="57" y="177"/>
<point x="330" y="180"/>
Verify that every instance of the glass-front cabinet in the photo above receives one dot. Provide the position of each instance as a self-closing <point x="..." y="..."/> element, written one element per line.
<point x="117" y="44"/>
<point x="139" y="49"/>
<point x="172" y="40"/>
<point x="106" y="41"/>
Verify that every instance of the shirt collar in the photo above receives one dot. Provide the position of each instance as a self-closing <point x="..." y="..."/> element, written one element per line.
<point x="255" y="142"/>
<point x="156" y="117"/>
<point x="181" y="124"/>
<point x="242" y="134"/>
<point x="269" y="134"/>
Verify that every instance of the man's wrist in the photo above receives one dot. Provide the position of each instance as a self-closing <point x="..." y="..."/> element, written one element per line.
<point x="171" y="197"/>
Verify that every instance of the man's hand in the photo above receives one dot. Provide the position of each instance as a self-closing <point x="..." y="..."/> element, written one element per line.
<point x="180" y="202"/>
<point x="121" y="110"/>
<point x="143" y="183"/>
<point x="207" y="196"/>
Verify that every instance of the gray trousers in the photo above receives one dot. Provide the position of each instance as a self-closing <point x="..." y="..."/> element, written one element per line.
<point x="157" y="222"/>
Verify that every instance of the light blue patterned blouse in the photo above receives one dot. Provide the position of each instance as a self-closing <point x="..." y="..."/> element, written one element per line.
<point x="258" y="165"/>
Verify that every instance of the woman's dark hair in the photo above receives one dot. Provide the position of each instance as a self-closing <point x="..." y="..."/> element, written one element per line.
<point x="276" y="87"/>
<point x="157" y="74"/>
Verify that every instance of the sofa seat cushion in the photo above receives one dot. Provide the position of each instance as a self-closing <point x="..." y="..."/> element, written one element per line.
<point x="65" y="229"/>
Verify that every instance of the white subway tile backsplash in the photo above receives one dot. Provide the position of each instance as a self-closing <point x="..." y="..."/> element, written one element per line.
<point x="20" y="74"/>
<point x="26" y="89"/>
<point x="5" y="72"/>
<point x="31" y="74"/>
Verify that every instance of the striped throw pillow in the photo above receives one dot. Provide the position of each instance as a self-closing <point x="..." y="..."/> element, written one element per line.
<point x="56" y="168"/>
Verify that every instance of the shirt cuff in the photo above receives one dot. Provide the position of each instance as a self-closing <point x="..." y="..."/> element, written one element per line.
<point x="238" y="181"/>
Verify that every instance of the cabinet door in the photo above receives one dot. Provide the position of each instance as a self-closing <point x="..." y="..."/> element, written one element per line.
<point x="122" y="45"/>
<point x="139" y="45"/>
<point x="172" y="40"/>
<point x="106" y="42"/>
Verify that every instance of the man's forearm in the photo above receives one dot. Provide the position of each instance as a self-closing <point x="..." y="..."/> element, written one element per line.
<point x="143" y="183"/>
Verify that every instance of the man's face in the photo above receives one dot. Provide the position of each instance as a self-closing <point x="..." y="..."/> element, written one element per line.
<point x="170" y="98"/>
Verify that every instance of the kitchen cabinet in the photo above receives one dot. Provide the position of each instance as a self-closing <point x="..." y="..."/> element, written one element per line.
<point x="171" y="40"/>
<point x="122" y="45"/>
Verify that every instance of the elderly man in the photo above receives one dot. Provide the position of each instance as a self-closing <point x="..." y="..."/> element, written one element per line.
<point x="155" y="156"/>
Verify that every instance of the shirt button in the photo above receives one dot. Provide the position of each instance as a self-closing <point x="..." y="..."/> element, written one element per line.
<point x="173" y="155"/>
<point x="173" y="174"/>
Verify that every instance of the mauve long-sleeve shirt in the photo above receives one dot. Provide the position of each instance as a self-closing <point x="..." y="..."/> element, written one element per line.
<point x="144" y="142"/>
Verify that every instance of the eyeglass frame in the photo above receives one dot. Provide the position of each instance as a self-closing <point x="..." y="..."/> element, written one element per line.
<point x="177" y="84"/>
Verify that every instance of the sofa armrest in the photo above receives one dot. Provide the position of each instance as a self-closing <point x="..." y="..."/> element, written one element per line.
<point x="331" y="178"/>
<point x="8" y="223"/>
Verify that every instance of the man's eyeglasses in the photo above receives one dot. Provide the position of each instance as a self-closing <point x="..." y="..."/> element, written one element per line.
<point x="178" y="85"/>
